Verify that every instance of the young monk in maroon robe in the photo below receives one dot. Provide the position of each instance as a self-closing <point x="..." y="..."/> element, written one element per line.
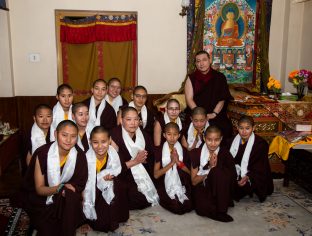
<point x="193" y="136"/>
<point x="100" y="111"/>
<point x="113" y="96"/>
<point x="171" y="115"/>
<point x="80" y="115"/>
<point x="56" y="177"/>
<point x="105" y="202"/>
<point x="208" y="88"/>
<point x="213" y="174"/>
<point x="40" y="131"/>
<point x="136" y="154"/>
<point x="147" y="119"/>
<point x="250" y="153"/>
<point x="172" y="173"/>
<point x="62" y="109"/>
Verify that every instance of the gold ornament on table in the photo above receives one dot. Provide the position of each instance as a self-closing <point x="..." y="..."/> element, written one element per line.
<point x="275" y="86"/>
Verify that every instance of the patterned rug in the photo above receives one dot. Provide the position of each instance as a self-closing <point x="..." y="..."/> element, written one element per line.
<point x="287" y="212"/>
<point x="14" y="221"/>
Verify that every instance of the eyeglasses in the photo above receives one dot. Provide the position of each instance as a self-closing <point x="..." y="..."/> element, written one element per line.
<point x="140" y="96"/>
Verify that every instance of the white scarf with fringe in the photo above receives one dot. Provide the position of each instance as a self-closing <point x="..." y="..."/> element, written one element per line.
<point x="113" y="167"/>
<point x="140" y="175"/>
<point x="53" y="167"/>
<point x="173" y="183"/>
<point x="242" y="169"/>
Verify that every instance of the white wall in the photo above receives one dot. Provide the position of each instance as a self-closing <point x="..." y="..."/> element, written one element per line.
<point x="6" y="77"/>
<point x="161" y="42"/>
<point x="290" y="39"/>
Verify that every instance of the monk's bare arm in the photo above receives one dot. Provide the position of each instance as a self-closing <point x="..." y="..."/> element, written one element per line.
<point x="158" y="172"/>
<point x="157" y="133"/>
<point x="40" y="186"/>
<point x="189" y="94"/>
<point x="196" y="179"/>
<point x="28" y="158"/>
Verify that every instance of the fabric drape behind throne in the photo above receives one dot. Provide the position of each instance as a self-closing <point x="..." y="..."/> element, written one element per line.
<point x="195" y="32"/>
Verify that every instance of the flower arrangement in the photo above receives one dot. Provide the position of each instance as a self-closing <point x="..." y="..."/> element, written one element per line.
<point x="274" y="85"/>
<point x="300" y="79"/>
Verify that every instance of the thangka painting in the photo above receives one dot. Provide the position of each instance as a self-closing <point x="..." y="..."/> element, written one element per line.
<point x="229" y="38"/>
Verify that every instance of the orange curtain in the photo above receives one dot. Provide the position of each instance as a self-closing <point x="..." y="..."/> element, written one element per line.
<point x="98" y="47"/>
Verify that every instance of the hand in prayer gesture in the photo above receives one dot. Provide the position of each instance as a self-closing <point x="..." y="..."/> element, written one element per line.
<point x="213" y="160"/>
<point x="108" y="177"/>
<point x="141" y="157"/>
<point x="243" y="181"/>
<point x="174" y="156"/>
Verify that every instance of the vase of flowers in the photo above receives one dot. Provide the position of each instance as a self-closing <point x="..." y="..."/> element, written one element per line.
<point x="301" y="79"/>
<point x="274" y="86"/>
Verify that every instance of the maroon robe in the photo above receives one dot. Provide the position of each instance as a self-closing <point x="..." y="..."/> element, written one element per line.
<point x="85" y="143"/>
<point x="208" y="91"/>
<point x="108" y="116"/>
<point x="27" y="147"/>
<point x="65" y="214"/>
<point x="174" y="205"/>
<point x="160" y="118"/>
<point x="214" y="195"/>
<point x="109" y="216"/>
<point x="136" y="199"/>
<point x="259" y="172"/>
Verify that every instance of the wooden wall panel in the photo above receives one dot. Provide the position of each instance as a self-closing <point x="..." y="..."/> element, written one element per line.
<point x="26" y="106"/>
<point x="8" y="110"/>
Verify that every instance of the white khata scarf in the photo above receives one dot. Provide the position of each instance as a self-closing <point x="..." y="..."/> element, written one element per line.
<point x="54" y="171"/>
<point x="140" y="175"/>
<point x="178" y="120"/>
<point x="143" y="113"/>
<point x="87" y="133"/>
<point x="173" y="183"/>
<point x="204" y="158"/>
<point x="113" y="167"/>
<point x="38" y="137"/>
<point x="95" y="117"/>
<point x="116" y="103"/>
<point x="191" y="137"/>
<point x="242" y="169"/>
<point x="58" y="116"/>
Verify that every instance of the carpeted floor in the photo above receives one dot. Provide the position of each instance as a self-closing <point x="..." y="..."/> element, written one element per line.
<point x="287" y="212"/>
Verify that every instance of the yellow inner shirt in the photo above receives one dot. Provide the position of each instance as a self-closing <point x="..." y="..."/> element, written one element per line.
<point x="65" y="116"/>
<point x="100" y="163"/>
<point x="62" y="163"/>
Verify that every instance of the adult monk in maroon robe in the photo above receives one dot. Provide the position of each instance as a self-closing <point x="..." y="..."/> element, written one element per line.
<point x="213" y="177"/>
<point x="249" y="148"/>
<point x="208" y="88"/>
<point x="147" y="118"/>
<point x="138" y="152"/>
<point x="107" y="117"/>
<point x="56" y="209"/>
